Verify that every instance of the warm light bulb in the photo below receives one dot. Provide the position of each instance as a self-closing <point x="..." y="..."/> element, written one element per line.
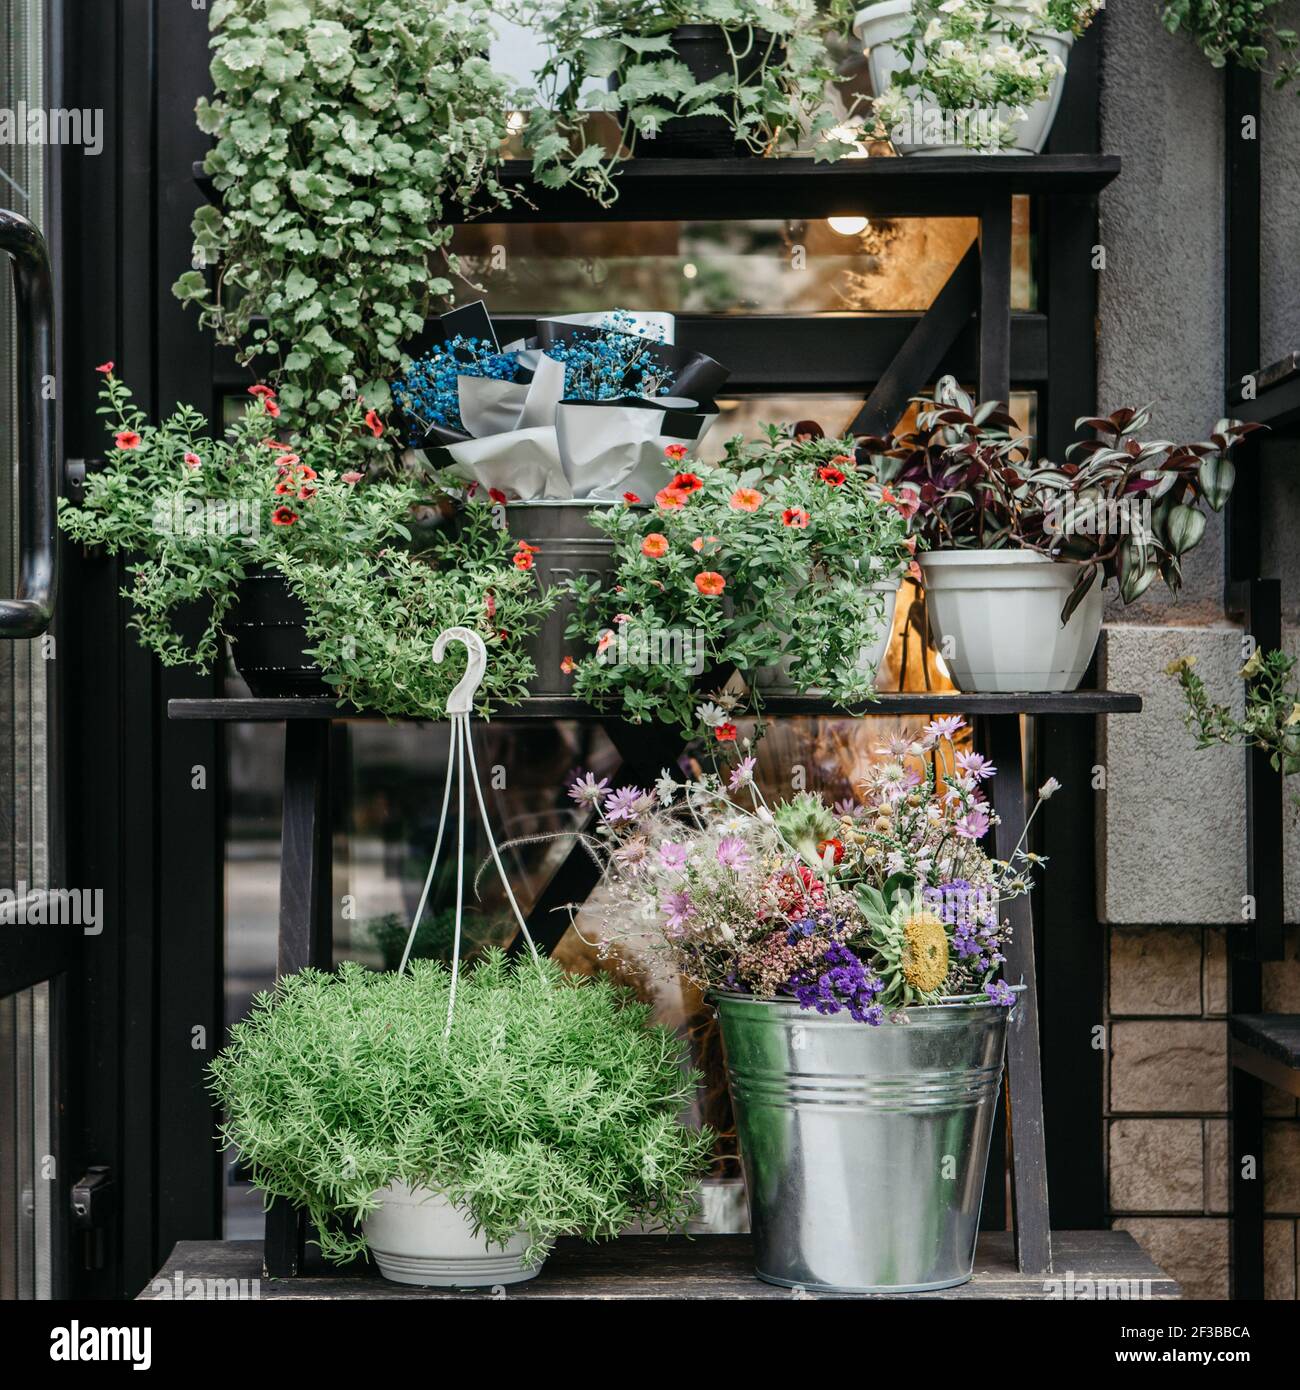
<point x="515" y="122"/>
<point x="848" y="226"/>
<point x="689" y="271"/>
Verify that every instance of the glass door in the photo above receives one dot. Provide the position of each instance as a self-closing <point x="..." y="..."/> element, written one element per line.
<point x="38" y="936"/>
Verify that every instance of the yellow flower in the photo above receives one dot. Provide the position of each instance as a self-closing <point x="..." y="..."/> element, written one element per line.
<point x="925" y="952"/>
<point x="1177" y="667"/>
<point x="1253" y="667"/>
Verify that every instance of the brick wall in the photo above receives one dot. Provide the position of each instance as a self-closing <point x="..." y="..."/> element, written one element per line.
<point x="1166" y="1106"/>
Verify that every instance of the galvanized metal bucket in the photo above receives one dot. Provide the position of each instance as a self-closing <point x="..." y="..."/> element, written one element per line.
<point x="864" y="1148"/>
<point x="569" y="547"/>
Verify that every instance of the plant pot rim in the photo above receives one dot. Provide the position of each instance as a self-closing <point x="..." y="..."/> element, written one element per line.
<point x="950" y="1004"/>
<point x="990" y="557"/>
<point x="894" y="9"/>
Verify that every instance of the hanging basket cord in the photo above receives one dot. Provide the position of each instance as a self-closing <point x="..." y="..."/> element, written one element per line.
<point x="460" y="705"/>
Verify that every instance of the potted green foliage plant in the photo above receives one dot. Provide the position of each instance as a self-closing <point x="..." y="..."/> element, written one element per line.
<point x="716" y="78"/>
<point x="970" y="76"/>
<point x="457" y="1153"/>
<point x="324" y="574"/>
<point x="781" y="561"/>
<point x="1018" y="550"/>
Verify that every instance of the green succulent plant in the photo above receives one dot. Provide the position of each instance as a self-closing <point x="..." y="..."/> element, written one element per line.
<point x="551" y="1106"/>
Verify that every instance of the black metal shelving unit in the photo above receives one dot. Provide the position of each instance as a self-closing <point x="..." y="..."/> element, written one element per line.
<point x="305" y="932"/>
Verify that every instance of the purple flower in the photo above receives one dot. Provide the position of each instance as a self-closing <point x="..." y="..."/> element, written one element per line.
<point x="742" y="775"/>
<point x="1000" y="993"/>
<point x="587" y="789"/>
<point x="840" y="981"/>
<point x="976" y="765"/>
<point x="974" y="824"/>
<point x="679" y="908"/>
<point x="672" y="856"/>
<point x="849" y="807"/>
<point x="624" y="804"/>
<point x="733" y="853"/>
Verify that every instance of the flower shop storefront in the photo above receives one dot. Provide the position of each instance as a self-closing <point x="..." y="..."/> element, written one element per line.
<point x="577" y="667"/>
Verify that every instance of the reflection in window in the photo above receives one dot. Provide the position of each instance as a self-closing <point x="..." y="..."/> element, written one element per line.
<point x="781" y="266"/>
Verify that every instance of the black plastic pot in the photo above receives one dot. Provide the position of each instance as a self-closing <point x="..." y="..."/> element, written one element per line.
<point x="703" y="48"/>
<point x="568" y="546"/>
<point x="268" y="637"/>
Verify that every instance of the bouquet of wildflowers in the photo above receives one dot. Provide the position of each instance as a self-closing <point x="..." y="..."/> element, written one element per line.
<point x="869" y="907"/>
<point x="583" y="408"/>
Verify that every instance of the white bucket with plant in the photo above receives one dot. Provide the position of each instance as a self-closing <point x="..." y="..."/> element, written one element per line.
<point x="971" y="77"/>
<point x="1017" y="551"/>
<point x="454" y="1126"/>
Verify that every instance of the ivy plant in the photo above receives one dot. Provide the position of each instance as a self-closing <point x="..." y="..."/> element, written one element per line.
<point x="1238" y="31"/>
<point x="199" y="514"/>
<point x="551" y="1106"/>
<point x="348" y="133"/>
<point x="616" y="58"/>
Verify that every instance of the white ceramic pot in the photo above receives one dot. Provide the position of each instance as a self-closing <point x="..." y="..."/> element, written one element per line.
<point x="418" y="1237"/>
<point x="777" y="680"/>
<point x="995" y="616"/>
<point x="880" y="27"/>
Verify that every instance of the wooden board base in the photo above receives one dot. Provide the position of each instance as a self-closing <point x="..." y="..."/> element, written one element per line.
<point x="1089" y="1265"/>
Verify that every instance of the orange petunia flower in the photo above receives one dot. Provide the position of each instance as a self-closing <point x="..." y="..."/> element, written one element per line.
<point x="710" y="583"/>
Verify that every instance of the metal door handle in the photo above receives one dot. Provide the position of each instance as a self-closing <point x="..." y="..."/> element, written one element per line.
<point x="28" y="613"/>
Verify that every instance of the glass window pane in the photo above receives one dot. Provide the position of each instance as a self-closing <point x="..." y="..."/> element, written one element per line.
<point x="777" y="266"/>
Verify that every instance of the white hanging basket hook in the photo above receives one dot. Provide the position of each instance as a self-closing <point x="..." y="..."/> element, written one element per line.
<point x="461" y="699"/>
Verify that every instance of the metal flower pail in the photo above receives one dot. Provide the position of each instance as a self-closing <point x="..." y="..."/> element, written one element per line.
<point x="864" y="1148"/>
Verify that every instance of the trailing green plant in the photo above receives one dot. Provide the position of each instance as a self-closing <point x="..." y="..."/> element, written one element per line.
<point x="1272" y="715"/>
<point x="980" y="58"/>
<point x="203" y="513"/>
<point x="1119" y="506"/>
<point x="1241" y="32"/>
<point x="778" y="551"/>
<point x="615" y="58"/>
<point x="349" y="134"/>
<point x="551" y="1106"/>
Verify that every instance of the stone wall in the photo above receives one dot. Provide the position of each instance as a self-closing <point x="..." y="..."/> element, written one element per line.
<point x="1171" y="821"/>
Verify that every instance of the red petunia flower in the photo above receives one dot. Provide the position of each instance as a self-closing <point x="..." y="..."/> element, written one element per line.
<point x="275" y="444"/>
<point x="724" y="733"/>
<point x="833" y="476"/>
<point x="631" y="498"/>
<point x="568" y="666"/>
<point x="795" y="516"/>
<point x="283" y="516"/>
<point x="127" y="439"/>
<point x="353" y="477"/>
<point x="306" y="493"/>
<point x="305" y="471"/>
<point x="687" y="483"/>
<point x="104" y="368"/>
<point x="710" y="583"/>
<point x="524" y="560"/>
<point x="375" y="423"/>
<point x="496" y="494"/>
<point x="284" y="489"/>
<point x="192" y="460"/>
<point x="676" y="452"/>
<point x="271" y="408"/>
<point x="264" y="393"/>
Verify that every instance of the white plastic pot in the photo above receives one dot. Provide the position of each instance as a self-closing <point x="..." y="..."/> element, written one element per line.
<point x="880" y="27"/>
<point x="777" y="680"/>
<point x="419" y="1237"/>
<point x="995" y="616"/>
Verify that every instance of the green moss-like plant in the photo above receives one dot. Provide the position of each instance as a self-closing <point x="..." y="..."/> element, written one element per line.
<point x="551" y="1107"/>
